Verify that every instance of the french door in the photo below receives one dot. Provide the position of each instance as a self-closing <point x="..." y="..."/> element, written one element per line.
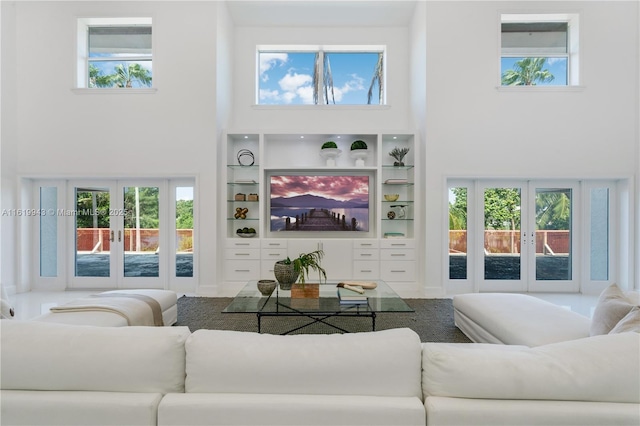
<point x="525" y="236"/>
<point x="118" y="230"/>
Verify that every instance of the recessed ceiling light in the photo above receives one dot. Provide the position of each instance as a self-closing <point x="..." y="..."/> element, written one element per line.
<point x="246" y="137"/>
<point x="301" y="137"/>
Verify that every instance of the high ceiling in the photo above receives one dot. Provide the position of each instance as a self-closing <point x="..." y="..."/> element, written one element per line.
<point x="303" y="13"/>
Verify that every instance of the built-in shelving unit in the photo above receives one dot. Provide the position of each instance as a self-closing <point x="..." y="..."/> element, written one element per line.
<point x="385" y="251"/>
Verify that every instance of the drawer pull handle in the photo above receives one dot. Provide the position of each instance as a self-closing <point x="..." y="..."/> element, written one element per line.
<point x="241" y="244"/>
<point x="365" y="255"/>
<point x="275" y="244"/>
<point x="398" y="254"/>
<point x="365" y="270"/>
<point x="398" y="270"/>
<point x="242" y="254"/>
<point x="366" y="245"/>
<point x="275" y="254"/>
<point x="399" y="245"/>
<point x="243" y="270"/>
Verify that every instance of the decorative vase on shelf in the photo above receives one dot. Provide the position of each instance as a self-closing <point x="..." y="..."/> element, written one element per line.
<point x="330" y="155"/>
<point x="398" y="155"/>
<point x="359" y="152"/>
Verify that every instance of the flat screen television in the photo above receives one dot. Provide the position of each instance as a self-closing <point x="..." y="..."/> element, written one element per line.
<point x="337" y="204"/>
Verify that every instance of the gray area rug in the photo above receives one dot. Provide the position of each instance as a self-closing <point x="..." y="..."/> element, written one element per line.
<point x="432" y="319"/>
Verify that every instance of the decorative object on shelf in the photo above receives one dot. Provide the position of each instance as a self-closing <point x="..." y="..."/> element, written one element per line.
<point x="330" y="152"/>
<point x="241" y="213"/>
<point x="359" y="152"/>
<point x="285" y="272"/>
<point x="398" y="154"/>
<point x="246" y="232"/>
<point x="391" y="197"/>
<point x="401" y="211"/>
<point x="245" y="157"/>
<point x="266" y="287"/>
<point x="391" y="214"/>
<point x="252" y="197"/>
<point x="240" y="197"/>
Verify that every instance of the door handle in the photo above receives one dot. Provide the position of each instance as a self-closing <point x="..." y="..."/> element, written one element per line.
<point x="111" y="239"/>
<point x="119" y="236"/>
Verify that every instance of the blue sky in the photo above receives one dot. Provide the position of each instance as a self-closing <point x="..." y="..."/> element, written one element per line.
<point x="287" y="77"/>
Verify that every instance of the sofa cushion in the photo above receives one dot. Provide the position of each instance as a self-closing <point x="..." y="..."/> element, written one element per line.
<point x="631" y="322"/>
<point x="86" y="358"/>
<point x="67" y="408"/>
<point x="600" y="368"/>
<point x="382" y="363"/>
<point x="444" y="411"/>
<point x="516" y="319"/>
<point x="611" y="307"/>
<point x="208" y="409"/>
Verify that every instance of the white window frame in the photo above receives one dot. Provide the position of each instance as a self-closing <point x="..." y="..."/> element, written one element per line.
<point x="573" y="44"/>
<point x="321" y="50"/>
<point x="82" y="50"/>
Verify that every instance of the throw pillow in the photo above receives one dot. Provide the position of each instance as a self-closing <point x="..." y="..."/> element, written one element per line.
<point x="611" y="307"/>
<point x="631" y="322"/>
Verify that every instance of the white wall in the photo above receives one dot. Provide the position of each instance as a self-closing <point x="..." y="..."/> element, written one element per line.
<point x="475" y="130"/>
<point x="61" y="132"/>
<point x="442" y="69"/>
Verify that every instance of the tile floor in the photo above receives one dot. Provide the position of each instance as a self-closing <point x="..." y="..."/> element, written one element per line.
<point x="32" y="304"/>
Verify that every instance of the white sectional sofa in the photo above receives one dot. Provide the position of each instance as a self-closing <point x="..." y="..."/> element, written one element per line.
<point x="60" y="374"/>
<point x="520" y="319"/>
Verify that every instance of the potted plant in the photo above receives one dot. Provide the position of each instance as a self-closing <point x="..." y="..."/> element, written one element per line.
<point x="285" y="273"/>
<point x="329" y="151"/>
<point x="359" y="151"/>
<point x="299" y="269"/>
<point x="398" y="154"/>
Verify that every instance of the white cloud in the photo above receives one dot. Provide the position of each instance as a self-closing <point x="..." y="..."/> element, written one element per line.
<point x="269" y="94"/>
<point x="306" y="94"/>
<point x="270" y="60"/>
<point x="356" y="83"/>
<point x="291" y="81"/>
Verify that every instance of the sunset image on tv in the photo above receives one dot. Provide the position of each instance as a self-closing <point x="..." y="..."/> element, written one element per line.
<point x="319" y="203"/>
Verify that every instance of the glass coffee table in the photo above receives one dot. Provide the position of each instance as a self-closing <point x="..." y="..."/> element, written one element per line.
<point x="317" y="310"/>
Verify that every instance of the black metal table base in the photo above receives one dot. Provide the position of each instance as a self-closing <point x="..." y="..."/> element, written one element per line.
<point x="318" y="317"/>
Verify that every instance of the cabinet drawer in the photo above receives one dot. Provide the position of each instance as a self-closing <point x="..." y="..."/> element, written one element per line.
<point x="366" y="254"/>
<point x="399" y="243"/>
<point x="397" y="254"/>
<point x="273" y="244"/>
<point x="364" y="269"/>
<point x="273" y="255"/>
<point x="239" y="270"/>
<point x="398" y="271"/>
<point x="365" y="244"/>
<point x="253" y="243"/>
<point x="242" y="253"/>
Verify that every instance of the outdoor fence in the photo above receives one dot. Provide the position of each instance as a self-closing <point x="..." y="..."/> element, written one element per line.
<point x="505" y="241"/>
<point x="98" y="239"/>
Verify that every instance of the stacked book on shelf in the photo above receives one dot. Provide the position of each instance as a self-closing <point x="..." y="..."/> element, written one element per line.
<point x="396" y="181"/>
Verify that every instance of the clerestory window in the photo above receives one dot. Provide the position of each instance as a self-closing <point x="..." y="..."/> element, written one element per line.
<point x="539" y="49"/>
<point x="327" y="75"/>
<point x="115" y="52"/>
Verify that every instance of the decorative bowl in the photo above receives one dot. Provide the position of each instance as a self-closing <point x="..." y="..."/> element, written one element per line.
<point x="266" y="287"/>
<point x="246" y="234"/>
<point x="391" y="197"/>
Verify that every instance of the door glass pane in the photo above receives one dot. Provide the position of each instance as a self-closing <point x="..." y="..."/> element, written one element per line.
<point x="92" y="232"/>
<point x="457" y="233"/>
<point x="184" y="231"/>
<point x="48" y="231"/>
<point x="553" y="233"/>
<point x="599" y="249"/>
<point x="502" y="219"/>
<point x="141" y="231"/>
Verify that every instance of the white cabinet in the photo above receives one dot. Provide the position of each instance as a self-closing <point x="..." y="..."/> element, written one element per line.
<point x="385" y="251"/>
<point x="337" y="260"/>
